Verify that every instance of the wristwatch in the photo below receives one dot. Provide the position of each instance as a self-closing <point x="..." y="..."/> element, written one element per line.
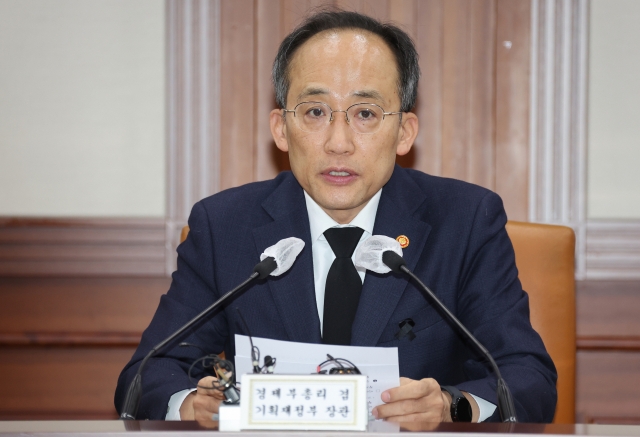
<point x="460" y="406"/>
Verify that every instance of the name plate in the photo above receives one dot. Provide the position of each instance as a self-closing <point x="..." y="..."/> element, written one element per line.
<point x="304" y="402"/>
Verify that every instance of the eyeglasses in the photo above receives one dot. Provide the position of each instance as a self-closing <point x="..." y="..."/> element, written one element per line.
<point x="363" y="118"/>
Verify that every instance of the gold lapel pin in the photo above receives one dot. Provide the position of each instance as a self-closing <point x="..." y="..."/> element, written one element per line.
<point x="403" y="240"/>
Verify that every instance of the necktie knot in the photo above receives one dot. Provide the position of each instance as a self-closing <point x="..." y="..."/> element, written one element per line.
<point x="343" y="241"/>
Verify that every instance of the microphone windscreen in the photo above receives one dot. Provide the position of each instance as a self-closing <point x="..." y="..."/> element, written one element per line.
<point x="284" y="252"/>
<point x="265" y="267"/>
<point x="369" y="254"/>
<point x="393" y="260"/>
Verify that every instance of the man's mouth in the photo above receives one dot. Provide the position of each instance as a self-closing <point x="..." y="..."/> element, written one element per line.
<point x="339" y="176"/>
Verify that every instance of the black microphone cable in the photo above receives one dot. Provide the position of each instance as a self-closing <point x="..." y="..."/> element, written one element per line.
<point x="134" y="393"/>
<point x="255" y="352"/>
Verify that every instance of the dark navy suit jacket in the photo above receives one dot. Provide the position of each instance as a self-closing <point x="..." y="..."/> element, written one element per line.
<point x="458" y="247"/>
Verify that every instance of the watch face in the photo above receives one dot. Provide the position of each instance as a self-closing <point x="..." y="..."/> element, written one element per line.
<point x="462" y="411"/>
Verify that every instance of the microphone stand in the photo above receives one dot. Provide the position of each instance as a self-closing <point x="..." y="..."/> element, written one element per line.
<point x="506" y="406"/>
<point x="134" y="393"/>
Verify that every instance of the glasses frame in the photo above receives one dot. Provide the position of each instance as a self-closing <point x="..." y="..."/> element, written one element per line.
<point x="346" y="115"/>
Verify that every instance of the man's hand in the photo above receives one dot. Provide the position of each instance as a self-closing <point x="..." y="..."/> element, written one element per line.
<point x="414" y="401"/>
<point x="418" y="401"/>
<point x="203" y="403"/>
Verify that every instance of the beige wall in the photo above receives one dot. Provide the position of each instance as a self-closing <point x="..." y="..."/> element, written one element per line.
<point x="614" y="110"/>
<point x="82" y="108"/>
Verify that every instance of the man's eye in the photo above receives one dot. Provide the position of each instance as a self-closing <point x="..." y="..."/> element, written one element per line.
<point x="366" y="114"/>
<point x="315" y="112"/>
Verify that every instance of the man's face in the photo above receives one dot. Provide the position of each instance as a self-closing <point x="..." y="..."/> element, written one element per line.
<point x="338" y="167"/>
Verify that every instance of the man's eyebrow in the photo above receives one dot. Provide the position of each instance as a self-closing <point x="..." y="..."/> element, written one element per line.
<point x="366" y="94"/>
<point x="312" y="92"/>
<point x="369" y="94"/>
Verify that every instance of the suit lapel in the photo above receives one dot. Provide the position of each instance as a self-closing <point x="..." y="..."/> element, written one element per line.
<point x="400" y="199"/>
<point x="292" y="292"/>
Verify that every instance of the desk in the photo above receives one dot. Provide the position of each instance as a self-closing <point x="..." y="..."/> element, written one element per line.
<point x="166" y="429"/>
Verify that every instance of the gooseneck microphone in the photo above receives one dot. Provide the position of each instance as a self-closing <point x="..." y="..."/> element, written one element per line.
<point x="275" y="260"/>
<point x="383" y="254"/>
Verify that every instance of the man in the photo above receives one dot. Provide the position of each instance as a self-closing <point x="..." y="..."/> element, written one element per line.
<point x="346" y="85"/>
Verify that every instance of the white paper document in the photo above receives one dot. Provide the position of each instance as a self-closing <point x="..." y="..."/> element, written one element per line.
<point x="379" y="364"/>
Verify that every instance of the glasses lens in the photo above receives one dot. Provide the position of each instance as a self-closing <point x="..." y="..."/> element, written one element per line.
<point x="365" y="117"/>
<point x="312" y="116"/>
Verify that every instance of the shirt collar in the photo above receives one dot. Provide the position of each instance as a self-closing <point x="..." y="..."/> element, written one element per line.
<point x="319" y="221"/>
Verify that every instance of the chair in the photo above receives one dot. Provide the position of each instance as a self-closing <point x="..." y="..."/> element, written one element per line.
<point x="184" y="233"/>
<point x="545" y="261"/>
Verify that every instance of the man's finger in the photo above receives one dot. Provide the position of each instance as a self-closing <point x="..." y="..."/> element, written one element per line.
<point x="405" y="381"/>
<point x="208" y="386"/>
<point x="205" y="407"/>
<point x="398" y="408"/>
<point x="416" y="417"/>
<point x="411" y="389"/>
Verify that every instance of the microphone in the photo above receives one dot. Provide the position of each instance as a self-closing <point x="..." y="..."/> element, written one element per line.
<point x="269" y="363"/>
<point x="383" y="255"/>
<point x="274" y="261"/>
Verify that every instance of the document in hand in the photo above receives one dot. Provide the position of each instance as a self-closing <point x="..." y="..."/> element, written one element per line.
<point x="380" y="365"/>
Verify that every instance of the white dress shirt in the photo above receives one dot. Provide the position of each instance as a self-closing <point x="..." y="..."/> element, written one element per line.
<point x="323" y="256"/>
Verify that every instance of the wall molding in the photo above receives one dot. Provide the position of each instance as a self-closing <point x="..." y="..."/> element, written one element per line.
<point x="611" y="343"/>
<point x="612" y="249"/>
<point x="557" y="160"/>
<point x="70" y="339"/>
<point x="46" y="339"/>
<point x="612" y="420"/>
<point x="193" y="111"/>
<point x="82" y="247"/>
<point x="60" y="415"/>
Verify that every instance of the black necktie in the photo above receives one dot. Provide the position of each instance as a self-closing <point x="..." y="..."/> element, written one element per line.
<point x="342" y="292"/>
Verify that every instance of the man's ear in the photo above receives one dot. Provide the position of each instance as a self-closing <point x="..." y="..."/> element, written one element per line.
<point x="279" y="129"/>
<point x="408" y="133"/>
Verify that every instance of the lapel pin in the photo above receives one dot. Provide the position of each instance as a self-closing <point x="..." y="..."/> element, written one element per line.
<point x="403" y="240"/>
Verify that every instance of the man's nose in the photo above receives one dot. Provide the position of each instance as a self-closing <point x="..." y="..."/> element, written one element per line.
<point x="339" y="134"/>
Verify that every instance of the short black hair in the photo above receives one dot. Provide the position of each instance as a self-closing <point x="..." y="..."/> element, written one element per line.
<point x="398" y="41"/>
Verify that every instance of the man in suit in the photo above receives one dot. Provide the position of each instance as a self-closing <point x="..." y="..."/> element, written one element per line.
<point x="346" y="85"/>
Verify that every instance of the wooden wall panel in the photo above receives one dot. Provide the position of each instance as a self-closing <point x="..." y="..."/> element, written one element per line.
<point x="458" y="48"/>
<point x="482" y="95"/>
<point x="32" y="307"/>
<point x="81" y="319"/>
<point x="427" y="153"/>
<point x="608" y="361"/>
<point x="467" y="92"/>
<point x="64" y="341"/>
<point x="269" y="160"/>
<point x="608" y="309"/>
<point x="513" y="51"/>
<point x="237" y="150"/>
<point x="608" y="387"/>
<point x="59" y="383"/>
<point x="455" y="92"/>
